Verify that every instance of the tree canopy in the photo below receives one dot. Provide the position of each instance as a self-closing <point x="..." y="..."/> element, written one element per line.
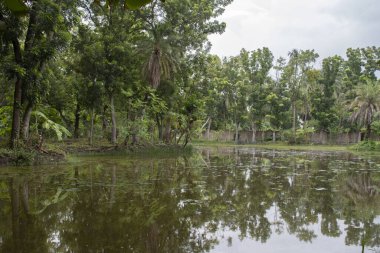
<point x="142" y="72"/>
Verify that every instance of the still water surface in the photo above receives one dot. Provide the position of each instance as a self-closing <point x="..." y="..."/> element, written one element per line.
<point x="216" y="200"/>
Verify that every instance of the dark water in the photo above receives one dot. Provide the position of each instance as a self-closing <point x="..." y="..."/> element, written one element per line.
<point x="218" y="200"/>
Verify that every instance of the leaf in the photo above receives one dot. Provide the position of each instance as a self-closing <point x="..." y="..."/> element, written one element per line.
<point x="135" y="4"/>
<point x="48" y="124"/>
<point x="18" y="7"/>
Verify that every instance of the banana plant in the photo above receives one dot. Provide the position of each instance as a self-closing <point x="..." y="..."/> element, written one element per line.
<point x="50" y="125"/>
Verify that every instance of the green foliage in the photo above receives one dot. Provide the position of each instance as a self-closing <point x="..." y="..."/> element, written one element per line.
<point x="135" y="4"/>
<point x="19" y="156"/>
<point x="5" y="120"/>
<point x="18" y="7"/>
<point x="376" y="127"/>
<point x="49" y="125"/>
<point x="94" y="69"/>
<point x="303" y="134"/>
<point x="367" y="145"/>
<point x="366" y="105"/>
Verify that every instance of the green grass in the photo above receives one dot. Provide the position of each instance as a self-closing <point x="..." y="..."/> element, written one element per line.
<point x="149" y="151"/>
<point x="277" y="145"/>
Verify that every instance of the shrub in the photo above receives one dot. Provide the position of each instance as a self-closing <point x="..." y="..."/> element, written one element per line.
<point x="19" y="156"/>
<point x="367" y="146"/>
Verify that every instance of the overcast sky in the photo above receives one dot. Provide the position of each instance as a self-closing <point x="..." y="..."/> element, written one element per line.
<point x="328" y="26"/>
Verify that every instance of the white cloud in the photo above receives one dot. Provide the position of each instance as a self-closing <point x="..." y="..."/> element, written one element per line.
<point x="328" y="26"/>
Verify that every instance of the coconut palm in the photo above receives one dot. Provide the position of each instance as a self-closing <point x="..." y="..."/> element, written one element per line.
<point x="366" y="105"/>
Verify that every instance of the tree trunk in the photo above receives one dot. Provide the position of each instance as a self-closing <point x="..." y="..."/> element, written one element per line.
<point x="92" y="127"/>
<point x="274" y="136"/>
<point x="104" y="122"/>
<point x="209" y="128"/>
<point x="159" y="127"/>
<point x="294" y="121"/>
<point x="15" y="134"/>
<point x="113" y="118"/>
<point x="368" y="132"/>
<point x="253" y="133"/>
<point x="237" y="133"/>
<point x="26" y="121"/>
<point x="167" y="130"/>
<point x="76" y="124"/>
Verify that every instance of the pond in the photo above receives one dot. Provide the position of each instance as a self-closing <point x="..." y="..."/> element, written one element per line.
<point x="217" y="200"/>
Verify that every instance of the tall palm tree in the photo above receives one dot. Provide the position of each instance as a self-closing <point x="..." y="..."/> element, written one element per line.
<point x="160" y="46"/>
<point x="366" y="105"/>
<point x="160" y="63"/>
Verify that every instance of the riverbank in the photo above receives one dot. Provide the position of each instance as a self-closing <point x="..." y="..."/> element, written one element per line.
<point x="60" y="152"/>
<point x="361" y="147"/>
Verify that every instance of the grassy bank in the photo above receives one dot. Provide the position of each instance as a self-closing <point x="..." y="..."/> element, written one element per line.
<point x="56" y="152"/>
<point x="29" y="156"/>
<point x="277" y="145"/>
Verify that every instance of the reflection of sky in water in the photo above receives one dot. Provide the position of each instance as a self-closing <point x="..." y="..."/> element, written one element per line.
<point x="377" y="220"/>
<point x="285" y="242"/>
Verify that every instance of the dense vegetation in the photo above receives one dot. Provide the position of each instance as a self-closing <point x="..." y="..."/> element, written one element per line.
<point x="94" y="69"/>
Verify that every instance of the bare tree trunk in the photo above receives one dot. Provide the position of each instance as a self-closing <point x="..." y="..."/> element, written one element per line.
<point x="253" y="133"/>
<point x="274" y="136"/>
<point x="92" y="127"/>
<point x="209" y="128"/>
<point x="76" y="124"/>
<point x="113" y="118"/>
<point x="26" y="121"/>
<point x="294" y="121"/>
<point x="237" y="133"/>
<point x="104" y="122"/>
<point x="15" y="133"/>
<point x="167" y="130"/>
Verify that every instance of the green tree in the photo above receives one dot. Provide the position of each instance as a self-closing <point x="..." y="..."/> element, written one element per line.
<point x="295" y="76"/>
<point x="256" y="65"/>
<point x="324" y="99"/>
<point x="35" y="39"/>
<point x="366" y="105"/>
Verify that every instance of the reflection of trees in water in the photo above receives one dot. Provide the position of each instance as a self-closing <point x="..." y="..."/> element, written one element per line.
<point x="304" y="194"/>
<point x="361" y="208"/>
<point x="26" y="233"/>
<point x="178" y="205"/>
<point x="361" y="188"/>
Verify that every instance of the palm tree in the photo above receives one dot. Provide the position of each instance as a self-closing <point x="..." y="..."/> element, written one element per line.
<point x="366" y="105"/>
<point x="159" y="48"/>
<point x="160" y="62"/>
